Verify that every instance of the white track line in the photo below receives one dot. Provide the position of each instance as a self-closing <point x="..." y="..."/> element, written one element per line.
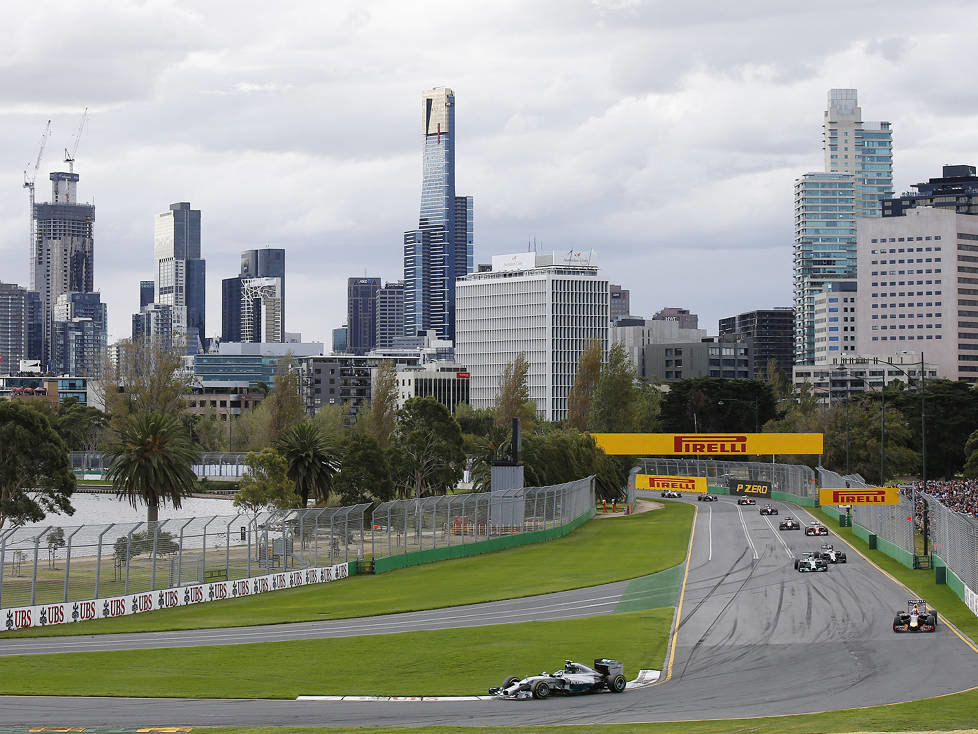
<point x="710" y="556"/>
<point x="777" y="534"/>
<point x="746" y="534"/>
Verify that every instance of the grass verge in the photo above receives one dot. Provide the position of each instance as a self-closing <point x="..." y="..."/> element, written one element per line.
<point x="939" y="596"/>
<point x="442" y="662"/>
<point x="596" y="553"/>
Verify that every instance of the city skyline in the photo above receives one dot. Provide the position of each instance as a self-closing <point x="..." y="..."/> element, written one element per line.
<point x="734" y="122"/>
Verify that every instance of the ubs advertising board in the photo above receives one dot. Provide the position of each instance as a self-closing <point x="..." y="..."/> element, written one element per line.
<point x="677" y="484"/>
<point x="44" y="615"/>
<point x="708" y="444"/>
<point x="747" y="488"/>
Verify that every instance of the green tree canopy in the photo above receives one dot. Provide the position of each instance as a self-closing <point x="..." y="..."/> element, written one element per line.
<point x="311" y="461"/>
<point x="513" y="398"/>
<point x="427" y="456"/>
<point x="383" y="404"/>
<point x="152" y="460"/>
<point x="266" y="484"/>
<point x="474" y="422"/>
<point x="35" y="473"/>
<point x="713" y="404"/>
<point x="80" y="426"/>
<point x="365" y="474"/>
<point x="614" y="408"/>
<point x="554" y="457"/>
<point x="581" y="395"/>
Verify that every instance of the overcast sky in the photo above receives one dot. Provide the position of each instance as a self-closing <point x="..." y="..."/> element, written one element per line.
<point x="666" y="136"/>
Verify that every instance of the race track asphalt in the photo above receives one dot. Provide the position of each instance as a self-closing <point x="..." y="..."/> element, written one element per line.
<point x="756" y="638"/>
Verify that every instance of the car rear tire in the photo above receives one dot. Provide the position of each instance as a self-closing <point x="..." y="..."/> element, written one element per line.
<point x="510" y="681"/>
<point x="617" y="684"/>
<point x="541" y="689"/>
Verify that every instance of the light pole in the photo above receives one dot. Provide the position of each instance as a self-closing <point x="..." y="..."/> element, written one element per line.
<point x="845" y="369"/>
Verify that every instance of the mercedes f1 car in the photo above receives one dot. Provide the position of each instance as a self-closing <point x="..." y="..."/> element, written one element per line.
<point x="573" y="678"/>
<point x="746" y="501"/>
<point x="816" y="528"/>
<point x="832" y="555"/>
<point x="769" y="510"/>
<point x="671" y="493"/>
<point x="707" y="498"/>
<point x="811" y="561"/>
<point x="918" y="618"/>
<point x="789" y="523"/>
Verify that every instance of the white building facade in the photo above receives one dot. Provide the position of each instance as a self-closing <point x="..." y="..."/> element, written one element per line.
<point x="547" y="307"/>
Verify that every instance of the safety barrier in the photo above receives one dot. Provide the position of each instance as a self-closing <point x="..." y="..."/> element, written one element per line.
<point x="795" y="482"/>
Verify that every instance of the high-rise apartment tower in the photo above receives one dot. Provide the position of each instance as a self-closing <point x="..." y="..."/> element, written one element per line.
<point x="180" y="271"/>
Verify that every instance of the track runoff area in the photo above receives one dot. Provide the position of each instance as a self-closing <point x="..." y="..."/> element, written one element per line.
<point x="752" y="637"/>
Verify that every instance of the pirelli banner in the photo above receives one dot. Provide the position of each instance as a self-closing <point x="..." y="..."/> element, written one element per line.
<point x="44" y="615"/>
<point x="748" y="488"/>
<point x="708" y="444"/>
<point x="868" y="496"/>
<point x="677" y="484"/>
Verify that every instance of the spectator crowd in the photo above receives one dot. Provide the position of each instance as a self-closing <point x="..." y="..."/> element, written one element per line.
<point x="960" y="495"/>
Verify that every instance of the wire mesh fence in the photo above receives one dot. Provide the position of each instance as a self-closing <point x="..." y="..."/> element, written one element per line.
<point x="888" y="522"/>
<point x="215" y="464"/>
<point x="793" y="479"/>
<point x="54" y="563"/>
<point x="954" y="538"/>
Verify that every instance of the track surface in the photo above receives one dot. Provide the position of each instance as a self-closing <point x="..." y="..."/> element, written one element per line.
<point x="756" y="638"/>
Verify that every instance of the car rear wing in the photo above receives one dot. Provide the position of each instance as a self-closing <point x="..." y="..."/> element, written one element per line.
<point x="608" y="667"/>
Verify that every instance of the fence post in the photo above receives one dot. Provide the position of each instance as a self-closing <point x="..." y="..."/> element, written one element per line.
<point x="37" y="546"/>
<point x="98" y="557"/>
<point x="203" y="546"/>
<point x="332" y="537"/>
<point x="180" y="553"/>
<point x="227" y="547"/>
<point x="129" y="554"/>
<point x="156" y="536"/>
<point x="3" y="553"/>
<point x="67" y="561"/>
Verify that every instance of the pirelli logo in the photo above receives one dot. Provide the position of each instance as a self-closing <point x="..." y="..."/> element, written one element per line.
<point x="659" y="482"/>
<point x="701" y="443"/>
<point x="869" y="496"/>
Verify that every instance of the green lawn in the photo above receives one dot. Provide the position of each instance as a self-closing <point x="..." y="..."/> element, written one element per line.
<point x="939" y="596"/>
<point x="598" y="552"/>
<point x="440" y="662"/>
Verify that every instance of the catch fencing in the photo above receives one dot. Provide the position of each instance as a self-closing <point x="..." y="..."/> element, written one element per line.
<point x="954" y="543"/>
<point x="793" y="479"/>
<point x="211" y="464"/>
<point x="59" y="563"/>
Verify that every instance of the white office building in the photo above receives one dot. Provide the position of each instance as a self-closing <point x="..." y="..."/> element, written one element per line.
<point x="548" y="307"/>
<point x="835" y="320"/>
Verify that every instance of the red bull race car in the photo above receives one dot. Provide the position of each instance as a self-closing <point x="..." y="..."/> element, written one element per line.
<point x="918" y="618"/>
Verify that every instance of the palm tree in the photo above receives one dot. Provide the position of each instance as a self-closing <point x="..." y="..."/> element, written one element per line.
<point x="152" y="462"/>
<point x="310" y="459"/>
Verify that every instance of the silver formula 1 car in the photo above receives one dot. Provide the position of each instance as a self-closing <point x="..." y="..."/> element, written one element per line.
<point x="573" y="678"/>
<point x="707" y="498"/>
<point x="832" y="555"/>
<point x="671" y="493"/>
<point x="769" y="510"/>
<point x="811" y="561"/>
<point x="918" y="618"/>
<point x="789" y="523"/>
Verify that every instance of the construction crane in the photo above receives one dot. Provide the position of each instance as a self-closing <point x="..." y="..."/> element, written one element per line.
<point x="30" y="175"/>
<point x="70" y="154"/>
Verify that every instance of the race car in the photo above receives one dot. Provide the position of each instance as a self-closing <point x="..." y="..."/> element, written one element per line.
<point x="918" y="618"/>
<point x="832" y="555"/>
<point x="789" y="523"/>
<point x="573" y="678"/>
<point x="671" y="493"/>
<point x="746" y="501"/>
<point x="811" y="561"/>
<point x="769" y="510"/>
<point x="816" y="528"/>
<point x="707" y="498"/>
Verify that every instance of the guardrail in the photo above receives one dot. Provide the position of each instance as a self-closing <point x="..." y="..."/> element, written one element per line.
<point x="795" y="480"/>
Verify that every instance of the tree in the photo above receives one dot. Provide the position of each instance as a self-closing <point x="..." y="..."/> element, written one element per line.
<point x="971" y="456"/>
<point x="80" y="426"/>
<point x="56" y="540"/>
<point x="648" y="405"/>
<point x="35" y="472"/>
<point x="283" y="405"/>
<point x="147" y="378"/>
<point x="713" y="404"/>
<point x="581" y="395"/>
<point x="383" y="404"/>
<point x="152" y="460"/>
<point x="513" y="398"/>
<point x="331" y="418"/>
<point x="365" y="474"/>
<point x="311" y="463"/>
<point x="474" y="422"/>
<point x="266" y="484"/>
<point x="554" y="457"/>
<point x="427" y="456"/>
<point x="614" y="406"/>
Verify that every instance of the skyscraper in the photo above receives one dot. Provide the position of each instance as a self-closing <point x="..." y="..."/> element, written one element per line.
<point x="62" y="256"/>
<point x="231" y="309"/>
<point x="390" y="314"/>
<point x="769" y="333"/>
<point x="441" y="248"/>
<point x="180" y="271"/>
<point x="266" y="262"/>
<point x="78" y="335"/>
<point x="858" y="175"/>
<point x="14" y="326"/>
<point x="257" y="266"/>
<point x="361" y="312"/>
<point x="620" y="302"/>
<point x="147" y="292"/>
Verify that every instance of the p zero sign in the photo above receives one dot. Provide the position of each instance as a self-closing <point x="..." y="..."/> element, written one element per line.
<point x="747" y="488"/>
<point x="708" y="444"/>
<point x="869" y="496"/>
<point x="677" y="484"/>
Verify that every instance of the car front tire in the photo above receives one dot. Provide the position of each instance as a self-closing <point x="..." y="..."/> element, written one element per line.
<point x="510" y="681"/>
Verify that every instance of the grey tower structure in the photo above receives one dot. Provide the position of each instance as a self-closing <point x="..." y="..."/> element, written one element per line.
<point x="79" y="335"/>
<point x="180" y="271"/>
<point x="255" y="264"/>
<point x="361" y="312"/>
<point x="15" y="323"/>
<point x="390" y="314"/>
<point x="147" y="292"/>
<point x="441" y="248"/>
<point x="62" y="256"/>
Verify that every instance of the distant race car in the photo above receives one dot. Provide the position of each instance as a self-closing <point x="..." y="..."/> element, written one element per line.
<point x="789" y="523"/>
<point x="746" y="501"/>
<point x="816" y="528"/>
<point x="832" y="555"/>
<point x="707" y="498"/>
<point x="769" y="510"/>
<point x="671" y="493"/>
<point x="918" y="618"/>
<point x="573" y="678"/>
<point x="811" y="561"/>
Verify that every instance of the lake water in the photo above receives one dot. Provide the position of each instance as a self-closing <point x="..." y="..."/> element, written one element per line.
<point x="102" y="509"/>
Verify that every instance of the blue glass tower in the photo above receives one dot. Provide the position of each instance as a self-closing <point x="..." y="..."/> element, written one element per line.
<point x="440" y="249"/>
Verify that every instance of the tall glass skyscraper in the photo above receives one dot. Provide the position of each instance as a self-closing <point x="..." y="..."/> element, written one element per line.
<point x="441" y="248"/>
<point x="180" y="271"/>
<point x="858" y="175"/>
